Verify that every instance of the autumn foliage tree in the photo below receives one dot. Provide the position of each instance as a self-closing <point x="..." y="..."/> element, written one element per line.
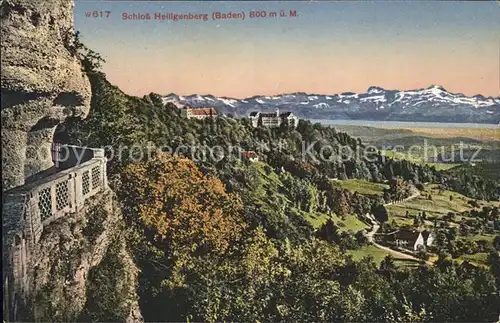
<point x="188" y="211"/>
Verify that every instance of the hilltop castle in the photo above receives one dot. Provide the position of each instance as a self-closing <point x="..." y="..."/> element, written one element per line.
<point x="273" y="120"/>
<point x="198" y="113"/>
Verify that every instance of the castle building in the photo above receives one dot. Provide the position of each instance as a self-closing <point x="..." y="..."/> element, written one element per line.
<point x="273" y="120"/>
<point x="198" y="113"/>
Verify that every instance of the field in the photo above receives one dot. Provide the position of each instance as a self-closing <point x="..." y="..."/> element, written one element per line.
<point x="379" y="255"/>
<point x="351" y="222"/>
<point x="439" y="206"/>
<point x="371" y="134"/>
<point x="479" y="258"/>
<point x="435" y="209"/>
<point x="475" y="133"/>
<point x="439" y="141"/>
<point x="418" y="160"/>
<point x="446" y="141"/>
<point x="361" y="186"/>
<point x="370" y="250"/>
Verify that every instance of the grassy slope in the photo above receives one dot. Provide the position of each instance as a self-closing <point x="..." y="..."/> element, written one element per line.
<point x="479" y="258"/>
<point x="435" y="209"/>
<point x="370" y="250"/>
<point x="439" y="206"/>
<point x="379" y="255"/>
<point x="351" y="222"/>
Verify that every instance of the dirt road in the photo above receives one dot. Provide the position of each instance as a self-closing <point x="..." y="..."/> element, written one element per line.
<point x="376" y="226"/>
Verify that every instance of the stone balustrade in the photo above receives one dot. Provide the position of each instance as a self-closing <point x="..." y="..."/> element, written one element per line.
<point x="28" y="208"/>
<point x="60" y="193"/>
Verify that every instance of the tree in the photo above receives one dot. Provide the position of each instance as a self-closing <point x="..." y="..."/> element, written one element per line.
<point x="418" y="221"/>
<point x="422" y="254"/>
<point x="387" y="266"/>
<point x="91" y="61"/>
<point x="183" y="208"/>
<point x="380" y="213"/>
<point x="494" y="263"/>
<point x="342" y="206"/>
<point x="496" y="242"/>
<point x="302" y="192"/>
<point x="329" y="231"/>
<point x="398" y="189"/>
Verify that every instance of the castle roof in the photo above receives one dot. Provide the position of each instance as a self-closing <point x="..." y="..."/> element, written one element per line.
<point x="202" y="111"/>
<point x="268" y="115"/>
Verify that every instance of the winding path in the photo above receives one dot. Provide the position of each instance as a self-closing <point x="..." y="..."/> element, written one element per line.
<point x="376" y="226"/>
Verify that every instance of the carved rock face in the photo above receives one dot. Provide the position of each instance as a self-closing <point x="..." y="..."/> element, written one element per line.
<point x="42" y="83"/>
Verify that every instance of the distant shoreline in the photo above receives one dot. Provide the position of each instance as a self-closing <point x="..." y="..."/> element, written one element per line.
<point x="404" y="124"/>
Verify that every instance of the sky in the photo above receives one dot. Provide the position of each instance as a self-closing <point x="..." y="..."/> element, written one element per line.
<point x="327" y="48"/>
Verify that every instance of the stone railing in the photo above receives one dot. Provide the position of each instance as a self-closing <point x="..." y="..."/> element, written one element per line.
<point x="27" y="209"/>
<point x="58" y="194"/>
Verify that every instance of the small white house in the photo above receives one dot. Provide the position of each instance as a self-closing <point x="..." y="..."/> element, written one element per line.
<point x="250" y="156"/>
<point x="413" y="239"/>
<point x="409" y="239"/>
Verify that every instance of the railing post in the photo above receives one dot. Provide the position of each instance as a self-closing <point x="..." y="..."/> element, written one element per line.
<point x="104" y="173"/>
<point x="72" y="192"/>
<point x="78" y="196"/>
<point x="36" y="217"/>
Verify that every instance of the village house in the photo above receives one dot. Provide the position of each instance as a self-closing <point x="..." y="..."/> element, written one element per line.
<point x="273" y="120"/>
<point x="250" y="156"/>
<point x="411" y="239"/>
<point x="198" y="113"/>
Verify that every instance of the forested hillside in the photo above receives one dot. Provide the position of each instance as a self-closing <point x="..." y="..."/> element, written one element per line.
<point x="224" y="239"/>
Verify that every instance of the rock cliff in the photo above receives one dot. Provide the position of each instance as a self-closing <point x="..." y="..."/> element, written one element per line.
<point x="81" y="270"/>
<point x="76" y="267"/>
<point x="42" y="83"/>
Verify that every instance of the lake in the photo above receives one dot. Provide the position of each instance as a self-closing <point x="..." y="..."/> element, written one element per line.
<point x="404" y="124"/>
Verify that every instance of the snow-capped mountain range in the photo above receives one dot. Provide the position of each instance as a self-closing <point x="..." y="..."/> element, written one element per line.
<point x="431" y="104"/>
